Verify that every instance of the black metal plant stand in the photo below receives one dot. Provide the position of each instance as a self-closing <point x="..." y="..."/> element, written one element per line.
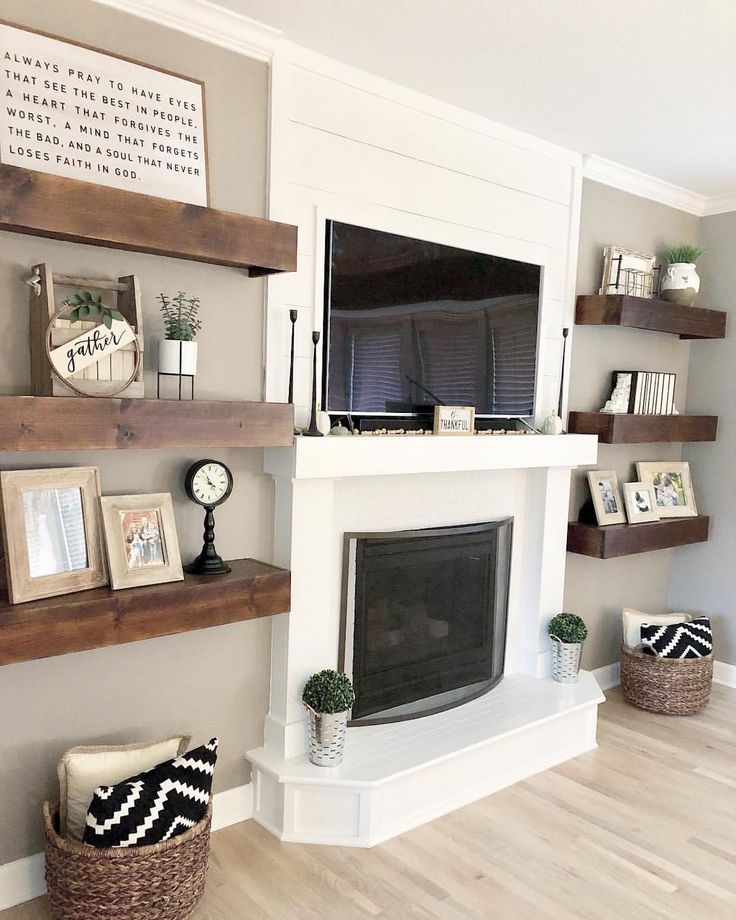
<point x="161" y="374"/>
<point x="313" y="431"/>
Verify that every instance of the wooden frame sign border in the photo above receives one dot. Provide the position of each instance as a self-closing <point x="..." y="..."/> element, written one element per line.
<point x="454" y="420"/>
<point x="79" y="112"/>
<point x="16" y="515"/>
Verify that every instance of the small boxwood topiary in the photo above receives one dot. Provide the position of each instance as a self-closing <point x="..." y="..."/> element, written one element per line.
<point x="328" y="692"/>
<point x="567" y="627"/>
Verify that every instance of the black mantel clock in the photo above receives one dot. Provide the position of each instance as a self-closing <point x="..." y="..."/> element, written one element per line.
<point x="208" y="483"/>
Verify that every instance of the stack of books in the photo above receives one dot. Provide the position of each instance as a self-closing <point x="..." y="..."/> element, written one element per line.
<point x="650" y="392"/>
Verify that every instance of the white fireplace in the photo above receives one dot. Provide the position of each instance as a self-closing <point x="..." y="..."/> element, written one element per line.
<point x="403" y="773"/>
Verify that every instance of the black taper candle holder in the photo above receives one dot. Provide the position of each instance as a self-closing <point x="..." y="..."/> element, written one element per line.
<point x="292" y="317"/>
<point x="565" y="333"/>
<point x="313" y="431"/>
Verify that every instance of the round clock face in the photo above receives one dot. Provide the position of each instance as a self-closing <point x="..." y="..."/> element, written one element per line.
<point x="209" y="482"/>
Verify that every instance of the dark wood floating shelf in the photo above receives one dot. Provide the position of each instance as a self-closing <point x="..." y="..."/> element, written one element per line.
<point x="102" y="617"/>
<point x="82" y="212"/>
<point x="643" y="429"/>
<point x="654" y="315"/>
<point x="72" y="423"/>
<point x="628" y="539"/>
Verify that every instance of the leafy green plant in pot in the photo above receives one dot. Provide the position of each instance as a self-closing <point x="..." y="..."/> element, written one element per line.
<point x="567" y="632"/>
<point x="177" y="353"/>
<point x="680" y="280"/>
<point x="327" y="697"/>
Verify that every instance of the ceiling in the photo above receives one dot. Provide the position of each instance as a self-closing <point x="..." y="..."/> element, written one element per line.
<point x="649" y="84"/>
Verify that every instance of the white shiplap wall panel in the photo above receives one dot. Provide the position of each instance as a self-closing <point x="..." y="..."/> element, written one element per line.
<point x="327" y="162"/>
<point x="348" y="111"/>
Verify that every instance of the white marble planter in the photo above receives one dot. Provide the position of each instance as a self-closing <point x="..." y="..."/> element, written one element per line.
<point x="680" y="283"/>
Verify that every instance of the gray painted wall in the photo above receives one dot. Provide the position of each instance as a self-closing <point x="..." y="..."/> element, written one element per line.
<point x="598" y="589"/>
<point x="208" y="682"/>
<point x="703" y="580"/>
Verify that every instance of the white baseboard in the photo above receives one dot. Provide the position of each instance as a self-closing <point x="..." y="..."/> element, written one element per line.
<point x="608" y="676"/>
<point x="724" y="674"/>
<point x="24" y="879"/>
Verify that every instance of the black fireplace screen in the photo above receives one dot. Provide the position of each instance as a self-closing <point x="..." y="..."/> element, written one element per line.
<point x="428" y="616"/>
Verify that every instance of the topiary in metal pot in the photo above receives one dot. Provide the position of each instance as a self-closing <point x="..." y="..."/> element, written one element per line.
<point x="567" y="632"/>
<point x="327" y="697"/>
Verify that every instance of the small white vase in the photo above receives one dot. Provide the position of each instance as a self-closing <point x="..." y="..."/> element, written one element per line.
<point x="175" y="357"/>
<point x="552" y="424"/>
<point x="680" y="283"/>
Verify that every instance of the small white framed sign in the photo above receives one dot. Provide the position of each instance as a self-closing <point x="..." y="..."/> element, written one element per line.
<point x="454" y="420"/>
<point x="74" y="111"/>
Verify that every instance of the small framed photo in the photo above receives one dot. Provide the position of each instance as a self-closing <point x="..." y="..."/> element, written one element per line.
<point x="454" y="420"/>
<point x="141" y="540"/>
<point x="641" y="505"/>
<point x="672" y="485"/>
<point x="628" y="272"/>
<point x="609" y="508"/>
<point x="51" y="532"/>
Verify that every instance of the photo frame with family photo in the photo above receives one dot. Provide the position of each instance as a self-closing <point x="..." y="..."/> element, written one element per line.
<point x="51" y="532"/>
<point x="672" y="485"/>
<point x="606" y="495"/>
<point x="641" y="504"/>
<point x="141" y="539"/>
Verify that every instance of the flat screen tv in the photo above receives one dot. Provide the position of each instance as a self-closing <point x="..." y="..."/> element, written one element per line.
<point x="412" y="324"/>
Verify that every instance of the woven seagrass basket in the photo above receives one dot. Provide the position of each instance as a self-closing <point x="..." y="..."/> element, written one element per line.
<point x="164" y="881"/>
<point x="672" y="686"/>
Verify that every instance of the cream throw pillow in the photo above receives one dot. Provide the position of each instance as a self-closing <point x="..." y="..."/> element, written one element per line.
<point x="634" y="618"/>
<point x="83" y="769"/>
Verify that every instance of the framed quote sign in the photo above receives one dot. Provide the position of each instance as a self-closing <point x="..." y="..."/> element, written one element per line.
<point x="77" y="112"/>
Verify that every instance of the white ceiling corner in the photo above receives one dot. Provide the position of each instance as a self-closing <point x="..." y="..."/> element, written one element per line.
<point x="582" y="76"/>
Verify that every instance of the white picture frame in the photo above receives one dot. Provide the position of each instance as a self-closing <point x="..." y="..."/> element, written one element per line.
<point x="640" y="503"/>
<point x="672" y="485"/>
<point x="606" y="495"/>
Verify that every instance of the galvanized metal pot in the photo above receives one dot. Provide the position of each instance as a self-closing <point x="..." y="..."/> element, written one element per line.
<point x="327" y="732"/>
<point x="566" y="661"/>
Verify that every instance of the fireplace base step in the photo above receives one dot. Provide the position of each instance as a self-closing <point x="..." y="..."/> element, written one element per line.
<point x="395" y="777"/>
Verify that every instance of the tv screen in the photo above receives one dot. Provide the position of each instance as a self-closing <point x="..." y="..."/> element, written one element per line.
<point x="412" y="324"/>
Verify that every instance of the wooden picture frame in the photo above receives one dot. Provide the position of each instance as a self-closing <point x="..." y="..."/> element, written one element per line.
<point x="640" y="502"/>
<point x="606" y="495"/>
<point x="141" y="540"/>
<point x="672" y="486"/>
<point x="51" y="532"/>
<point x="454" y="420"/>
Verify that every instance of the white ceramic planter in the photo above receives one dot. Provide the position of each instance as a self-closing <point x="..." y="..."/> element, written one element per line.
<point x="175" y="357"/>
<point x="680" y="283"/>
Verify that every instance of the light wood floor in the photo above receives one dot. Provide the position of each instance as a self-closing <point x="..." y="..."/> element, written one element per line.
<point x="644" y="828"/>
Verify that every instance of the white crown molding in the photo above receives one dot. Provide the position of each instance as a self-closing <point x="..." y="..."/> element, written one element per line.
<point x="207" y="21"/>
<point x="720" y="204"/>
<point x="638" y="183"/>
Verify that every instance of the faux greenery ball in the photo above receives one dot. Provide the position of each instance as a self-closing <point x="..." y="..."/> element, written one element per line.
<point x="328" y="692"/>
<point x="567" y="627"/>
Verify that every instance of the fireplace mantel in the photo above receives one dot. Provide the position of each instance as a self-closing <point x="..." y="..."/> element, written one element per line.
<point x="328" y="487"/>
<point x="392" y="455"/>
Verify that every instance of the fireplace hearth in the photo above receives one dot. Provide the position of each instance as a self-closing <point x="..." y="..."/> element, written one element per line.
<point x="424" y="617"/>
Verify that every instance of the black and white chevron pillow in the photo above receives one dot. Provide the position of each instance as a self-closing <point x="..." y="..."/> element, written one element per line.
<point x="153" y="806"/>
<point x="693" y="639"/>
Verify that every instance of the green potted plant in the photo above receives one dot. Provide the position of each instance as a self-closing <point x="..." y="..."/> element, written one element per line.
<point x="177" y="353"/>
<point x="567" y="632"/>
<point x="680" y="281"/>
<point x="327" y="697"/>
